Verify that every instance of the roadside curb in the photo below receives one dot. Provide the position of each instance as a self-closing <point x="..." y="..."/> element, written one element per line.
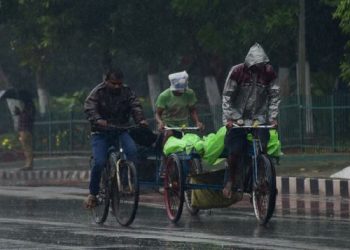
<point x="326" y="187"/>
<point x="42" y="177"/>
<point x="313" y="186"/>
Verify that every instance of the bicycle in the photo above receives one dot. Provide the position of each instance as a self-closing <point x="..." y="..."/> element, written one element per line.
<point x="259" y="176"/>
<point x="119" y="186"/>
<point x="177" y="174"/>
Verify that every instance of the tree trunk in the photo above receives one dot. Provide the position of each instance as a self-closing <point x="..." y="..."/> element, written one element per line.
<point x="308" y="102"/>
<point x="4" y="82"/>
<point x="301" y="50"/>
<point x="154" y="88"/>
<point x="43" y="95"/>
<point x="11" y="103"/>
<point x="106" y="63"/>
<point x="214" y="99"/>
<point x="283" y="80"/>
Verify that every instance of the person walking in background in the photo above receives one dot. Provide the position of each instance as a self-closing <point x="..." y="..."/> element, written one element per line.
<point x="110" y="102"/>
<point x="25" y="113"/>
<point x="250" y="96"/>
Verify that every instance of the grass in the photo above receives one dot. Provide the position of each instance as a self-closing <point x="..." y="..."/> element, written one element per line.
<point x="312" y="165"/>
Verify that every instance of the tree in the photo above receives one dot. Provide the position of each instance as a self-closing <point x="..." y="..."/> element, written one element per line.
<point x="150" y="31"/>
<point x="37" y="26"/>
<point x="219" y="36"/>
<point x="342" y="13"/>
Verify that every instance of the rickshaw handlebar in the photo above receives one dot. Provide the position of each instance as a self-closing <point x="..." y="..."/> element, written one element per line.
<point x="181" y="128"/>
<point x="250" y="126"/>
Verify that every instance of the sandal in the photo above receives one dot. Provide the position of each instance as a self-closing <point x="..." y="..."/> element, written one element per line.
<point x="90" y="201"/>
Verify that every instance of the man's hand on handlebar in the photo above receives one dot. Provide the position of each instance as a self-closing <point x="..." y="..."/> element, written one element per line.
<point x="274" y="123"/>
<point x="231" y="123"/>
<point x="200" y="125"/>
<point x="256" y="124"/>
<point x="102" y="123"/>
<point x="161" y="126"/>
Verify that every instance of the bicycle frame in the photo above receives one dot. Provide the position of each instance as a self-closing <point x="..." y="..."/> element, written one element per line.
<point x="114" y="132"/>
<point x="121" y="158"/>
<point x="255" y="148"/>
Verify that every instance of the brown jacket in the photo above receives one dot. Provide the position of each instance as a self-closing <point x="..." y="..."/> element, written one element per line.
<point x="113" y="107"/>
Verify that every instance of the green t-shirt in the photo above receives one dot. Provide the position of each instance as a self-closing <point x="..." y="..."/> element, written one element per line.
<point x="176" y="108"/>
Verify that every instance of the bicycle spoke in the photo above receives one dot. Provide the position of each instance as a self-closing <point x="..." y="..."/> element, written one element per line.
<point x="264" y="192"/>
<point x="125" y="194"/>
<point x="173" y="195"/>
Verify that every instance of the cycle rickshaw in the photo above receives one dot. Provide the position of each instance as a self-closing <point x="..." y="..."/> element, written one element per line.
<point x="258" y="178"/>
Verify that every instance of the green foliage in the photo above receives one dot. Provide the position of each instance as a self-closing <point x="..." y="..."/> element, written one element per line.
<point x="69" y="102"/>
<point x="226" y="27"/>
<point x="73" y="42"/>
<point x="9" y="141"/>
<point x="345" y="68"/>
<point x="322" y="83"/>
<point x="343" y="14"/>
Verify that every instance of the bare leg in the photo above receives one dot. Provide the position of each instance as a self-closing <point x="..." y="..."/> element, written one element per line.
<point x="163" y="159"/>
<point x="232" y="162"/>
<point x="25" y="138"/>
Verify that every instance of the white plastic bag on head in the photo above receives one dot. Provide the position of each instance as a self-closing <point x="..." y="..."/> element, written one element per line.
<point x="178" y="81"/>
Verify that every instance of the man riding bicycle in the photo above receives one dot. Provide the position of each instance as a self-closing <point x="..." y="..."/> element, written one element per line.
<point x="110" y="102"/>
<point x="174" y="105"/>
<point x="251" y="96"/>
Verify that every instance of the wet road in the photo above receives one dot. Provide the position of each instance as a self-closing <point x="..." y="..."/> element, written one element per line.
<point x="53" y="218"/>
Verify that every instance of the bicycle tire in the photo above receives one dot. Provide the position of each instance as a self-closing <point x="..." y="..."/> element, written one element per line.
<point x="173" y="188"/>
<point x="100" y="211"/>
<point x="264" y="191"/>
<point x="125" y="193"/>
<point x="195" y="168"/>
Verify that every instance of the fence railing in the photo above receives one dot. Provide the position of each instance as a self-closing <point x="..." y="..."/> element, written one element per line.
<point x="322" y="127"/>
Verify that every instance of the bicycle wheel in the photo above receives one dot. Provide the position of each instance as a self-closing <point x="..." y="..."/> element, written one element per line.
<point x="100" y="211"/>
<point x="173" y="188"/>
<point x="125" y="193"/>
<point x="195" y="168"/>
<point x="264" y="190"/>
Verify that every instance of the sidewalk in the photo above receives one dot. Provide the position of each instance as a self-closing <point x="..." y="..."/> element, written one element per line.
<point x="296" y="174"/>
<point x="56" y="170"/>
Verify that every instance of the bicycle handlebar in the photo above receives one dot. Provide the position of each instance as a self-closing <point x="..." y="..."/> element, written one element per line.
<point x="246" y="126"/>
<point x="111" y="127"/>
<point x="181" y="128"/>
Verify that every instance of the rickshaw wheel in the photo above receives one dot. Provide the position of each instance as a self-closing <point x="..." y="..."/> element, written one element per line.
<point x="173" y="188"/>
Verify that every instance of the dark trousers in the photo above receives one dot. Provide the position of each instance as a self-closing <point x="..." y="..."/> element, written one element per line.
<point x="236" y="140"/>
<point x="100" y="144"/>
<point x="236" y="143"/>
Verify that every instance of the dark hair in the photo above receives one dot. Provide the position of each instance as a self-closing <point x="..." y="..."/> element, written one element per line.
<point x="114" y="74"/>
